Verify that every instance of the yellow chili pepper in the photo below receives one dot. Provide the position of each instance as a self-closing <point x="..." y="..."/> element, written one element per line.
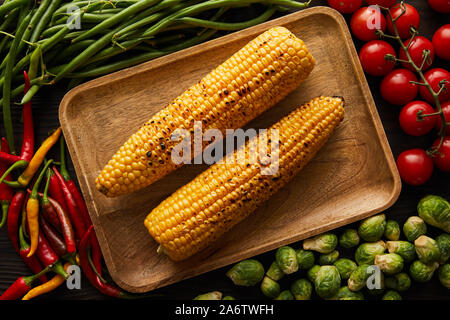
<point x="50" y="285"/>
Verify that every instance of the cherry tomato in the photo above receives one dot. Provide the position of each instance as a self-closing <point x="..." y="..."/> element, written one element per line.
<point x="396" y="87"/>
<point x="366" y="21"/>
<point x="372" y="57"/>
<point x="410" y="18"/>
<point x="446" y="109"/>
<point x="416" y="48"/>
<point x="409" y="122"/>
<point x="381" y="3"/>
<point x="434" y="77"/>
<point x="442" y="6"/>
<point x="441" y="42"/>
<point x="442" y="159"/>
<point x="345" y="6"/>
<point x="415" y="166"/>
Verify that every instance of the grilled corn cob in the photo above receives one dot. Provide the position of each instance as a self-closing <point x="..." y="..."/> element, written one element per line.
<point x="250" y="82"/>
<point x="226" y="193"/>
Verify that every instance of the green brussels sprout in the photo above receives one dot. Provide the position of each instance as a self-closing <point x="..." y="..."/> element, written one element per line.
<point x="427" y="249"/>
<point x="358" y="278"/>
<point x="246" y="273"/>
<point x="400" y="282"/>
<point x="392" y="231"/>
<point x="435" y="211"/>
<point x="404" y="249"/>
<point x="345" y="293"/>
<point x="285" y="295"/>
<point x="270" y="288"/>
<point x="422" y="272"/>
<point x="444" y="275"/>
<point x="301" y="289"/>
<point x="312" y="273"/>
<point x="392" y="295"/>
<point x="329" y="258"/>
<point x="214" y="295"/>
<point x="228" y="298"/>
<point x="366" y="252"/>
<point x="345" y="267"/>
<point x="287" y="259"/>
<point x="389" y="263"/>
<point x="274" y="272"/>
<point x="372" y="229"/>
<point x="327" y="281"/>
<point x="323" y="243"/>
<point x="414" y="227"/>
<point x="443" y="242"/>
<point x="305" y="259"/>
<point x="349" y="238"/>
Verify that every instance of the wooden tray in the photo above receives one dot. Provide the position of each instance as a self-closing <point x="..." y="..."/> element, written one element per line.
<point x="352" y="177"/>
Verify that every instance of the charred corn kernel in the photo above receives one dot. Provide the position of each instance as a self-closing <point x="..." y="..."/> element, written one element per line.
<point x="251" y="81"/>
<point x="238" y="188"/>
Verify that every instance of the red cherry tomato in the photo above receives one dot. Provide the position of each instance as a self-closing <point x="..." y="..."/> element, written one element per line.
<point x="446" y="109"/>
<point x="434" y="77"/>
<point x="441" y="42"/>
<point x="381" y="3"/>
<point x="416" y="48"/>
<point x="442" y="159"/>
<point x="345" y="6"/>
<point x="408" y="118"/>
<point x="396" y="87"/>
<point x="410" y="18"/>
<point x="372" y="57"/>
<point x="366" y="21"/>
<point x="442" y="6"/>
<point x="415" y="166"/>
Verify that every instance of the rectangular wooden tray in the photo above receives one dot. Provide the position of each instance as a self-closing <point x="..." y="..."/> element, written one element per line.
<point x="352" y="177"/>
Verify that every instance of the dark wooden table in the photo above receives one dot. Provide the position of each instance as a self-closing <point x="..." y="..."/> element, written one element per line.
<point x="45" y="108"/>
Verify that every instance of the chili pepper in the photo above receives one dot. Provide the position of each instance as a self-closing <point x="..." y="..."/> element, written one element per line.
<point x="28" y="127"/>
<point x="33" y="211"/>
<point x="54" y="190"/>
<point x="6" y="193"/>
<point x="48" y="256"/>
<point x="53" y="237"/>
<point x="51" y="285"/>
<point x="48" y="211"/>
<point x="7" y="158"/>
<point x="14" y="211"/>
<point x="21" y="286"/>
<point x="32" y="262"/>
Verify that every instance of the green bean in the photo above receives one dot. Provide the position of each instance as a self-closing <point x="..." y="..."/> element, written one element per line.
<point x="71" y="50"/>
<point x="45" y="19"/>
<point x="90" y="18"/>
<point x="19" y="90"/>
<point x="9" y="6"/>
<point x="34" y="63"/>
<point x="9" y="19"/>
<point x="30" y="94"/>
<point x="52" y="30"/>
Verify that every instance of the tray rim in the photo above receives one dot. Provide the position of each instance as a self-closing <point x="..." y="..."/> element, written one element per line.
<point x="129" y="72"/>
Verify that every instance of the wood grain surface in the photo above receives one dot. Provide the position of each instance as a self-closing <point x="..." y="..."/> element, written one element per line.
<point x="45" y="107"/>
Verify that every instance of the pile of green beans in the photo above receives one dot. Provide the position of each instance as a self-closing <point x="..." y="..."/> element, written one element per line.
<point x="83" y="39"/>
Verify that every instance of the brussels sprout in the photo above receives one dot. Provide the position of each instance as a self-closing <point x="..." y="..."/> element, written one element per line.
<point x="372" y="229"/>
<point x="414" y="227"/>
<point x="301" y="289"/>
<point x="392" y="231"/>
<point x="312" y="273"/>
<point x="366" y="252"/>
<point x="349" y="238"/>
<point x="287" y="259"/>
<point x="444" y="275"/>
<point x="400" y="282"/>
<point x="274" y="272"/>
<point x="285" y="295"/>
<point x="246" y="273"/>
<point x="228" y="298"/>
<point x="404" y="249"/>
<point x="358" y="278"/>
<point x="214" y="295"/>
<point x="345" y="293"/>
<point x="305" y="259"/>
<point x="345" y="267"/>
<point x="427" y="249"/>
<point x="375" y="287"/>
<point x="435" y="211"/>
<point x="422" y="272"/>
<point x="392" y="295"/>
<point x="327" y="281"/>
<point x="443" y="242"/>
<point x="323" y="243"/>
<point x="389" y="263"/>
<point x="270" y="288"/>
<point x="329" y="258"/>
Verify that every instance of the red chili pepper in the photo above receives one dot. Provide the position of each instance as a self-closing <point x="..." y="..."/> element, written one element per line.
<point x="21" y="286"/>
<point x="48" y="211"/>
<point x="7" y="158"/>
<point x="14" y="211"/>
<point x="55" y="191"/>
<point x="6" y="193"/>
<point x="66" y="225"/>
<point x="55" y="241"/>
<point x="32" y="262"/>
<point x="48" y="256"/>
<point x="28" y="128"/>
